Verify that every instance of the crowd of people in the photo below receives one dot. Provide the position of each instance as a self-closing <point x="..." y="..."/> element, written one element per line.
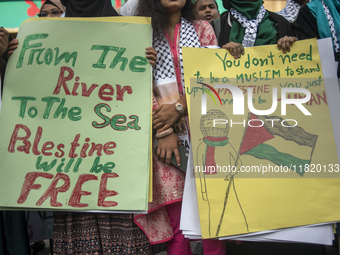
<point x="176" y="24"/>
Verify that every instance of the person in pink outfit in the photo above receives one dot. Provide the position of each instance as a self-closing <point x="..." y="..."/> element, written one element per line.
<point x="174" y="27"/>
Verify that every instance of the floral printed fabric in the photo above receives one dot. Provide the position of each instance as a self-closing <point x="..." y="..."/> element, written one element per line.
<point x="168" y="181"/>
<point x="97" y="233"/>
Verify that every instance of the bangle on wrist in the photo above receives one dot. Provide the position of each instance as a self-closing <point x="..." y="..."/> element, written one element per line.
<point x="165" y="133"/>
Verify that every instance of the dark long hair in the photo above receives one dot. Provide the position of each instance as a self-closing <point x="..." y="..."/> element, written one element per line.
<point x="154" y="9"/>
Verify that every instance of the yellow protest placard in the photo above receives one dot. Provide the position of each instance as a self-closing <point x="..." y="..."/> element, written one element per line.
<point x="262" y="139"/>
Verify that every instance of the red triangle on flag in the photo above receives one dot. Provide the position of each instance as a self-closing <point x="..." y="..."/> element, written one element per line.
<point x="254" y="135"/>
<point x="118" y="4"/>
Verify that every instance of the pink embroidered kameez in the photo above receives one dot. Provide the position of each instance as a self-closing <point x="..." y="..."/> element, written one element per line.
<point x="168" y="180"/>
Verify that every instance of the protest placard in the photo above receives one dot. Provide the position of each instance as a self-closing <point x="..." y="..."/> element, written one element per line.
<point x="76" y="115"/>
<point x="262" y="139"/>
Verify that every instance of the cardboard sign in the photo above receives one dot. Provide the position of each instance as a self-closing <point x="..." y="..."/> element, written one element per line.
<point x="263" y="146"/>
<point x="76" y="114"/>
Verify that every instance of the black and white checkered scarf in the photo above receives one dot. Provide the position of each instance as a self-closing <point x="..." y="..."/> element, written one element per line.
<point x="250" y="26"/>
<point x="290" y="11"/>
<point x="164" y="68"/>
<point x="331" y="27"/>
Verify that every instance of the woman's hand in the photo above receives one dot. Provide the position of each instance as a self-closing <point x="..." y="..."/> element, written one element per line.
<point x="168" y="145"/>
<point x="285" y="42"/>
<point x="151" y="55"/>
<point x="164" y="116"/>
<point x="12" y="46"/>
<point x="235" y="49"/>
<point x="3" y="40"/>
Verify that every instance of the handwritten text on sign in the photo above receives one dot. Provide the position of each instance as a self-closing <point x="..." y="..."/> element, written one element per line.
<point x="88" y="96"/>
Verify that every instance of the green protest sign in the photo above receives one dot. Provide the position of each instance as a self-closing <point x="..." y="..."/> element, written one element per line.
<point x="76" y="115"/>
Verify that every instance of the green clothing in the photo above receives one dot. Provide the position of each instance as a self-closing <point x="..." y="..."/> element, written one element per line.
<point x="266" y="31"/>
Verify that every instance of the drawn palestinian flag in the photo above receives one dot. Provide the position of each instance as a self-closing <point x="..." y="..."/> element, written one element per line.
<point x="255" y="142"/>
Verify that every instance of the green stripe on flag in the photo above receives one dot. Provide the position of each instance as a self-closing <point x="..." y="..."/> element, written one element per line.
<point x="296" y="134"/>
<point x="265" y="151"/>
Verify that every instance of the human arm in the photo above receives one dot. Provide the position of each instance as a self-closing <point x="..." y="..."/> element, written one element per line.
<point x="286" y="34"/>
<point x="235" y="49"/>
<point x="168" y="145"/>
<point x="3" y="47"/>
<point x="285" y="43"/>
<point x="12" y="46"/>
<point x="165" y="116"/>
<point x="4" y="35"/>
<point x="151" y="55"/>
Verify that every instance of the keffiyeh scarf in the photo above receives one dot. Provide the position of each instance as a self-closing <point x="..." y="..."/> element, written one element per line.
<point x="331" y="27"/>
<point x="327" y="15"/>
<point x="290" y="11"/>
<point x="164" y="69"/>
<point x="250" y="26"/>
